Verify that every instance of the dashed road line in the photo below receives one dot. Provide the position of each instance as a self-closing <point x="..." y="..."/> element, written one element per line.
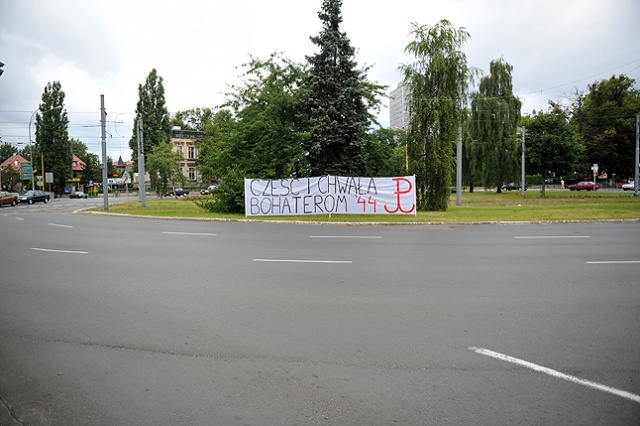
<point x="588" y="383"/>
<point x="189" y="233"/>
<point x="59" y="251"/>
<point x="302" y="261"/>
<point x="542" y="237"/>
<point x="60" y="225"/>
<point x="355" y="237"/>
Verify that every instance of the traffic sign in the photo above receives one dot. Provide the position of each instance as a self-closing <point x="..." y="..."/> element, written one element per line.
<point x="26" y="171"/>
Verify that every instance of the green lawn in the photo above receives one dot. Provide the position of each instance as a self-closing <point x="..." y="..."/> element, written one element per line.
<point x="476" y="207"/>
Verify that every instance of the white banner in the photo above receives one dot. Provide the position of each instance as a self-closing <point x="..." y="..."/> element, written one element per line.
<point x="330" y="195"/>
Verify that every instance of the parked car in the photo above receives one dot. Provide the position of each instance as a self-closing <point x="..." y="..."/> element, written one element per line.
<point x="629" y="186"/>
<point x="7" y="198"/>
<point x="178" y="192"/>
<point x="209" y="190"/>
<point x="78" y="194"/>
<point x="31" y="197"/>
<point x="621" y="183"/>
<point x="585" y="186"/>
<point x="512" y="186"/>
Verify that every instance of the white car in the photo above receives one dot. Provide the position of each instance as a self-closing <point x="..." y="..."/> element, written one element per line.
<point x="629" y="186"/>
<point x="210" y="190"/>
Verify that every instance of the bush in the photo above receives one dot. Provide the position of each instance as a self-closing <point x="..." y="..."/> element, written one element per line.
<point x="229" y="197"/>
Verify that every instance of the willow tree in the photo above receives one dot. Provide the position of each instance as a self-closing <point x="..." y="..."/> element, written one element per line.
<point x="438" y="81"/>
<point x="495" y="112"/>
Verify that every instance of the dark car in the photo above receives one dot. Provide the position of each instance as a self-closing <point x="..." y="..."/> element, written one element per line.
<point x="585" y="186"/>
<point x="178" y="192"/>
<point x="78" y="194"/>
<point x="512" y="186"/>
<point x="31" y="197"/>
<point x="7" y="198"/>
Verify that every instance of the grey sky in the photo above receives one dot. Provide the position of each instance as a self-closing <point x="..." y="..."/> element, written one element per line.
<point x="97" y="47"/>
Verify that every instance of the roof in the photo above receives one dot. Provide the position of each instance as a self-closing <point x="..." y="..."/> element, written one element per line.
<point x="14" y="161"/>
<point x="78" y="165"/>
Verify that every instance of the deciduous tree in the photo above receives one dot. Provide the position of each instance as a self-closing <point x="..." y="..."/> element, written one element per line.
<point x="438" y="82"/>
<point x="162" y="164"/>
<point x="264" y="138"/>
<point x="607" y="121"/>
<point x="551" y="148"/>
<point x="495" y="112"/>
<point x="6" y="151"/>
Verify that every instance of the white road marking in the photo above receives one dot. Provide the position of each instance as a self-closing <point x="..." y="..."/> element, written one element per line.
<point x="189" y="233"/>
<point x="60" y="226"/>
<point x="539" y="237"/>
<point x="606" y="262"/>
<point x="19" y="218"/>
<point x="301" y="261"/>
<point x="363" y="237"/>
<point x="621" y="393"/>
<point x="60" y="251"/>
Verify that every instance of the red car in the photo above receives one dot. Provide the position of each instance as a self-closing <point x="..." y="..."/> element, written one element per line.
<point x="585" y="186"/>
<point x="8" y="198"/>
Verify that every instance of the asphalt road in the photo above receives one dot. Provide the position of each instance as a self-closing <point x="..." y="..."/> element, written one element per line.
<point x="125" y="321"/>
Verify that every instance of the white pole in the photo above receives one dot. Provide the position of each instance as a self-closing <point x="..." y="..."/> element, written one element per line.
<point x="105" y="184"/>
<point x="637" y="165"/>
<point x="141" y="172"/>
<point x="522" y="181"/>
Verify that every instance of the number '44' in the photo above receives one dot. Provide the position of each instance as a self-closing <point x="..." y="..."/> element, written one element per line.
<point x="371" y="201"/>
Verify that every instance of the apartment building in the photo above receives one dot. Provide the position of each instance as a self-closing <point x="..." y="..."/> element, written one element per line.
<point x="399" y="107"/>
<point x="185" y="143"/>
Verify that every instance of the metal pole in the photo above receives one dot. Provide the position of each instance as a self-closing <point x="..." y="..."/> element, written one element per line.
<point x="105" y="184"/>
<point x="43" y="180"/>
<point x="522" y="183"/>
<point x="31" y="148"/>
<point x="459" y="174"/>
<point x="637" y="165"/>
<point x="459" y="153"/>
<point x="141" y="173"/>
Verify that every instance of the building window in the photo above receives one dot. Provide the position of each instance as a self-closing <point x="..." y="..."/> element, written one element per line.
<point x="192" y="152"/>
<point x="192" y="173"/>
<point x="179" y="149"/>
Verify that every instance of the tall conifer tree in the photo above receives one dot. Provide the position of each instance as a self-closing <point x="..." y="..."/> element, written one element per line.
<point x="52" y="137"/>
<point x="335" y="106"/>
<point x="155" y="116"/>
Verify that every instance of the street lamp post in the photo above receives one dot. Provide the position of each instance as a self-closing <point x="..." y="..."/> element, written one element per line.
<point x="522" y="130"/>
<point x="31" y="148"/>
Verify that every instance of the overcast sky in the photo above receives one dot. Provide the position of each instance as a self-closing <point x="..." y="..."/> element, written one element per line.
<point x="109" y="47"/>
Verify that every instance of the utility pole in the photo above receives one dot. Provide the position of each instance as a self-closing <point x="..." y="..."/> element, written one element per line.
<point x="141" y="172"/>
<point x="637" y="165"/>
<point x="522" y="182"/>
<point x="459" y="153"/>
<point x="105" y="184"/>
